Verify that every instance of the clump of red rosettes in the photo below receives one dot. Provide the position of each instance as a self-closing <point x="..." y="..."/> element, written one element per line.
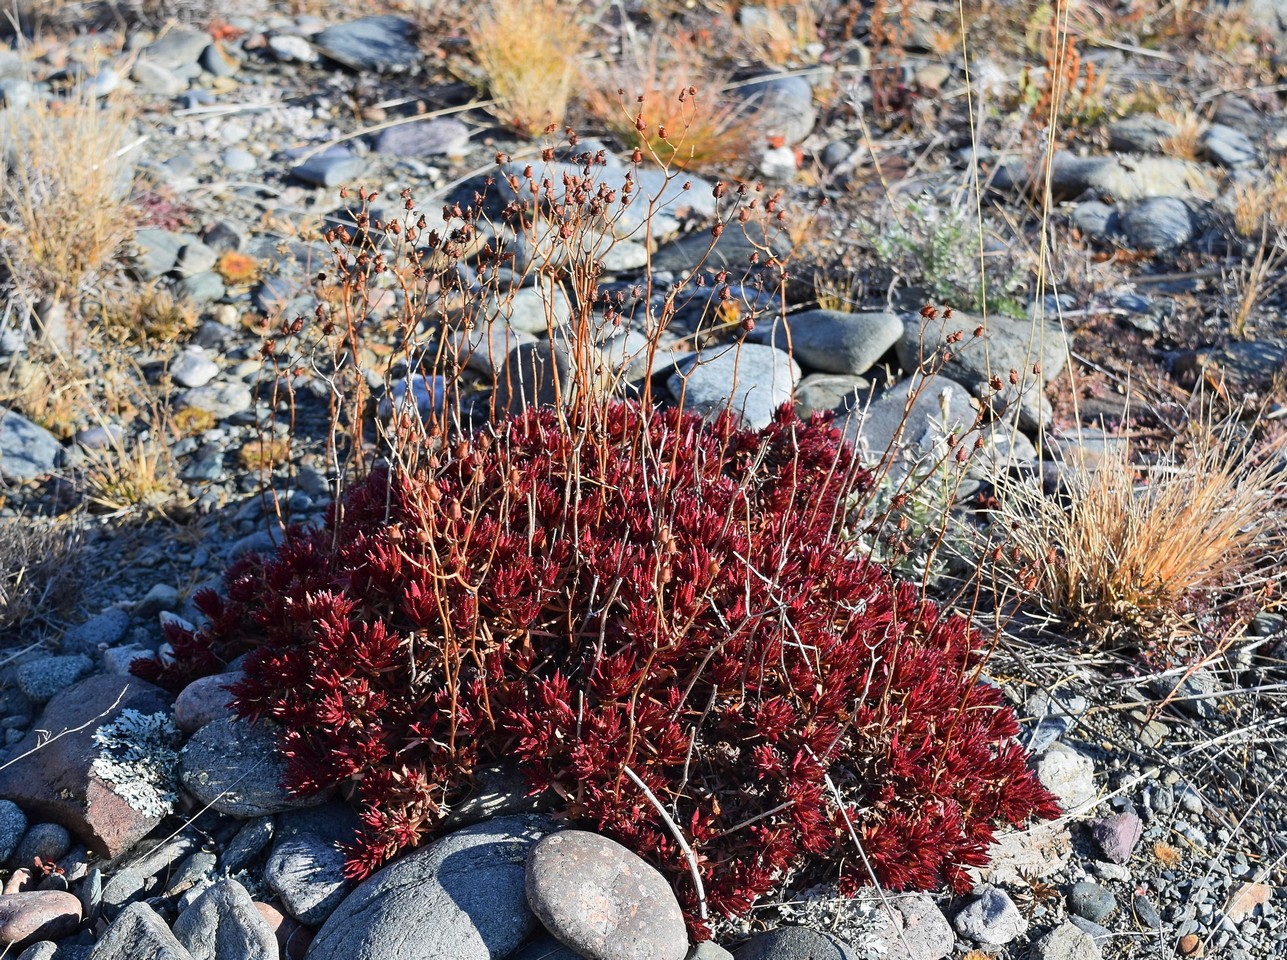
<point x="659" y="593"/>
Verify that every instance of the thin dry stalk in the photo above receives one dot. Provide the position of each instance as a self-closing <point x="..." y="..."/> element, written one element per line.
<point x="39" y="568"/>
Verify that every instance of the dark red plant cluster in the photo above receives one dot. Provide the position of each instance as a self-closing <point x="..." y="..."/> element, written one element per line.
<point x="653" y="592"/>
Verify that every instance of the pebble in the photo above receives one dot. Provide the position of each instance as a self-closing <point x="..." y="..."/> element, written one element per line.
<point x="833" y="341"/>
<point x="42" y="678"/>
<point x="1146" y="913"/>
<point x="204" y="701"/>
<point x="1069" y="775"/>
<point x="223" y="923"/>
<point x="136" y="934"/>
<point x="1091" y="901"/>
<point x="13" y="825"/>
<point x="1227" y="146"/>
<point x="378" y="43"/>
<point x="1065" y="942"/>
<point x="27" y="451"/>
<point x="192" y="368"/>
<point x="40" y="914"/>
<point x="424" y="138"/>
<point x="307" y="873"/>
<point x="1159" y="224"/>
<point x="990" y="918"/>
<point x="48" y="841"/>
<point x="752" y="381"/>
<point x="917" y="931"/>
<point x="602" y="900"/>
<point x="288" y="48"/>
<point x="223" y="400"/>
<point x="463" y="894"/>
<point x="334" y="168"/>
<point x="1116" y="835"/>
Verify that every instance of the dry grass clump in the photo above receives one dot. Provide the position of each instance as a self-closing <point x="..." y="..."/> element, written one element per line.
<point x="1132" y="551"/>
<point x="39" y="568"/>
<point x="664" y="97"/>
<point x="528" y="51"/>
<point x="129" y="473"/>
<point x="145" y="314"/>
<point x="779" y="30"/>
<point x="1260" y="206"/>
<point x="65" y="193"/>
<point x="1189" y="126"/>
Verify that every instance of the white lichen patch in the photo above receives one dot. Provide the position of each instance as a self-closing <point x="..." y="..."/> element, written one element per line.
<point x="139" y="758"/>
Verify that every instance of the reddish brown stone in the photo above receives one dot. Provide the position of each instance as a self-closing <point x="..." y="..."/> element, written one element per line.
<point x="292" y="937"/>
<point x="204" y="700"/>
<point x="39" y="915"/>
<point x="49" y="774"/>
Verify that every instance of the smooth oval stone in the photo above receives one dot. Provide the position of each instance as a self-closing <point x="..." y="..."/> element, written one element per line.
<point x="602" y="900"/>
<point x="39" y="914"/>
<point x="461" y="897"/>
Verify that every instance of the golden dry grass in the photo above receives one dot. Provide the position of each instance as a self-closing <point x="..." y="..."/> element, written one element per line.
<point x="781" y="31"/>
<point x="39" y="568"/>
<point x="64" y="196"/>
<point x="1119" y="557"/>
<point x="528" y="50"/>
<point x="1188" y="125"/>
<point x="665" y="98"/>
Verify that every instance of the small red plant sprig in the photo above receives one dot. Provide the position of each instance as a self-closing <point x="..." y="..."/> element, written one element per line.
<point x="649" y="592"/>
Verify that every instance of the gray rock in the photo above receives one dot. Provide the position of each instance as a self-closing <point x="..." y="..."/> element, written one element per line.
<point x="27" y="451"/>
<point x="781" y="107"/>
<point x="249" y="842"/>
<point x="1066" y="942"/>
<point x="160" y="597"/>
<point x="484" y="347"/>
<point x="333" y="168"/>
<point x="151" y="77"/>
<point x="427" y="394"/>
<point x="239" y="160"/>
<point x="371" y="43"/>
<point x="42" y="678"/>
<point x="1146" y="913"/>
<point x="1099" y="221"/>
<point x="1144" y="133"/>
<point x="234" y="768"/>
<point x="146" y="874"/>
<point x="532" y="310"/>
<point x="1099" y="935"/>
<point x="195" y="258"/>
<point x="991" y="918"/>
<point x="917" y="931"/>
<point x="940" y="406"/>
<point x="499" y="790"/>
<point x="44" y="950"/>
<point x="707" y="950"/>
<point x="824" y="392"/>
<point x="192" y="368"/>
<point x="201" y="288"/>
<point x="288" y="48"/>
<point x="307" y="873"/>
<point x="833" y="341"/>
<point x="425" y="138"/>
<point x="1128" y="178"/>
<point x="793" y="943"/>
<point x="16" y="92"/>
<point x="460" y="897"/>
<point x="731" y="251"/>
<point x="1006" y="345"/>
<point x="1160" y="224"/>
<point x="602" y="900"/>
<point x="1228" y="146"/>
<point x="48" y="841"/>
<point x="223" y="400"/>
<point x="176" y="48"/>
<point x="224" y="924"/>
<point x="191" y="877"/>
<point x="155" y="251"/>
<point x="139" y="934"/>
<point x="105" y="629"/>
<point x="1091" y="901"/>
<point x="13" y="824"/>
<point x="751" y="380"/>
<point x="1069" y="775"/>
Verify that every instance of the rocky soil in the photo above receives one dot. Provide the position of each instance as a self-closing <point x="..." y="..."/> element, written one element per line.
<point x="136" y="825"/>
